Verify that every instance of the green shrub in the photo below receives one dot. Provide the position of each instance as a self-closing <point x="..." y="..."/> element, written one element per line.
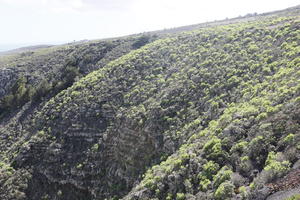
<point x="205" y="184"/>
<point x="213" y="150"/>
<point x="257" y="150"/>
<point x="180" y="196"/>
<point x="225" y="191"/>
<point x="169" y="196"/>
<point x="209" y="169"/>
<point x="222" y="176"/>
<point x="274" y="168"/>
<point x="95" y="147"/>
<point x="243" y="192"/>
<point x="289" y="139"/>
<point x="239" y="147"/>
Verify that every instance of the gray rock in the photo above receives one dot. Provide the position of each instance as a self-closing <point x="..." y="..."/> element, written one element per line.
<point x="297" y="165"/>
<point x="284" y="194"/>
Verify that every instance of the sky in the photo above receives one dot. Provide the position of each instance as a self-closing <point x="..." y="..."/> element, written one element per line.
<point x="31" y="22"/>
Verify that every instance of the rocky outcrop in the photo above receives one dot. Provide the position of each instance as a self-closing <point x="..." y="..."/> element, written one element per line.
<point x="285" y="194"/>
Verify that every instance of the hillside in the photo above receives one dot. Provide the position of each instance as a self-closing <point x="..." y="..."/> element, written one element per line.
<point x="208" y="113"/>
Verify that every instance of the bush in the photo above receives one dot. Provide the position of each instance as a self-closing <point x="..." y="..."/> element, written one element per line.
<point x="224" y="191"/>
<point x="210" y="169"/>
<point x="205" y="184"/>
<point x="180" y="196"/>
<point x="222" y="176"/>
<point x="243" y="192"/>
<point x="239" y="147"/>
<point x="289" y="139"/>
<point x="274" y="168"/>
<point x="258" y="150"/>
<point x="213" y="150"/>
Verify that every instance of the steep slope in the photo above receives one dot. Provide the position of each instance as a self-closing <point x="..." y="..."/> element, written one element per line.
<point x="29" y="79"/>
<point x="212" y="114"/>
<point x="23" y="76"/>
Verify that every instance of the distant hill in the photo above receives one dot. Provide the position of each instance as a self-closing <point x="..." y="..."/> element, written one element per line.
<point x="207" y="111"/>
<point x="24" y="49"/>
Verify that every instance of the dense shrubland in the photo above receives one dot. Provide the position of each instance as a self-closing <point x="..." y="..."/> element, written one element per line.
<point x="44" y="73"/>
<point x="206" y="114"/>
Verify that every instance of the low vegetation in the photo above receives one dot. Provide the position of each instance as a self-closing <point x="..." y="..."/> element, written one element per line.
<point x="211" y="113"/>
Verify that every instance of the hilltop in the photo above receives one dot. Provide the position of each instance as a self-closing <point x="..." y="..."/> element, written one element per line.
<point x="208" y="111"/>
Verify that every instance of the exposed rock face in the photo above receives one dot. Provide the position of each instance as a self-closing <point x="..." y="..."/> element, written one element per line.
<point x="284" y="194"/>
